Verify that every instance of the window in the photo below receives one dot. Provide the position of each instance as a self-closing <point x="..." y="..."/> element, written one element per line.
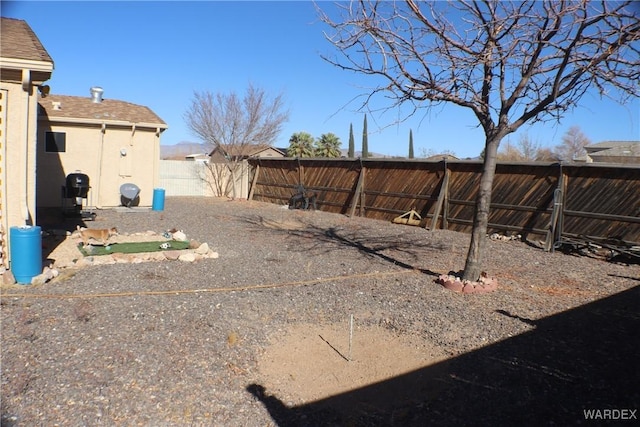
<point x="55" y="142"/>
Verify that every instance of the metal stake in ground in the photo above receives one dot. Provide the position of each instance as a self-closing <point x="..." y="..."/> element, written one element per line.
<point x="350" y="336"/>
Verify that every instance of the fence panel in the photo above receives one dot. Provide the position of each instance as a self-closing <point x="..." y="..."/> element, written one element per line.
<point x="183" y="178"/>
<point x="596" y="201"/>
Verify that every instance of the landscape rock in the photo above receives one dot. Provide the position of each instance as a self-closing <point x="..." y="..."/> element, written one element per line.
<point x="8" y="278"/>
<point x="187" y="257"/>
<point x="453" y="283"/>
<point x="156" y="256"/>
<point x="42" y="278"/>
<point x="202" y="249"/>
<point x="171" y="255"/>
<point x="121" y="258"/>
<point x="84" y="262"/>
<point x="179" y="236"/>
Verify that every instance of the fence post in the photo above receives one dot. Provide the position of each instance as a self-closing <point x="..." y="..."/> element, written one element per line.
<point x="300" y="172"/>
<point x="443" y="199"/>
<point x="358" y="192"/>
<point x="554" y="234"/>
<point x="254" y="180"/>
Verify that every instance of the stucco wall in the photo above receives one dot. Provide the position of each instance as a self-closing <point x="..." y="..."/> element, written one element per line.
<point x="19" y="135"/>
<point x="98" y="154"/>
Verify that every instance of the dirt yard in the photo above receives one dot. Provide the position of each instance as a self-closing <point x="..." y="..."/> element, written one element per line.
<point x="263" y="335"/>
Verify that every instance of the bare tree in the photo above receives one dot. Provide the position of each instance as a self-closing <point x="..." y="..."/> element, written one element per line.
<point x="573" y="143"/>
<point x="231" y="125"/>
<point x="526" y="150"/>
<point x="509" y="62"/>
<point x="431" y="153"/>
<point x="509" y="152"/>
<point x="546" y="155"/>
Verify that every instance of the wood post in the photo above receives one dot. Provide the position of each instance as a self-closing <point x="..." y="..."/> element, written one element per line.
<point x="443" y="199"/>
<point x="555" y="225"/>
<point x="253" y="182"/>
<point x="357" y="194"/>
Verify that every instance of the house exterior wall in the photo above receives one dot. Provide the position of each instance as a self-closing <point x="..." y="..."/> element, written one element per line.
<point x="17" y="148"/>
<point x="109" y="155"/>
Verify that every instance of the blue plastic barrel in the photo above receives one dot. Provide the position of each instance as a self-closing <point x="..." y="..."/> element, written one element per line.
<point x="158" y="199"/>
<point x="26" y="253"/>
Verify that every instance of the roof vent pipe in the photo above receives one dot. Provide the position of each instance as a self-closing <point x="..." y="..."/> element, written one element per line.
<point x="96" y="94"/>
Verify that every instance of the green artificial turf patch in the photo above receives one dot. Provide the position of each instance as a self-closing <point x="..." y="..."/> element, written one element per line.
<point x="131" y="248"/>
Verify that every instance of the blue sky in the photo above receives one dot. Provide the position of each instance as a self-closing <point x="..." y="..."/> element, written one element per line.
<point x="158" y="53"/>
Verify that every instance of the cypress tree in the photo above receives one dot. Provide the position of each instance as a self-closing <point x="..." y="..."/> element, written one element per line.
<point x="410" y="144"/>
<point x="352" y="152"/>
<point x="365" y="139"/>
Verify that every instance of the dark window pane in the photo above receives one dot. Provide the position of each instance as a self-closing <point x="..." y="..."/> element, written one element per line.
<point x="55" y="142"/>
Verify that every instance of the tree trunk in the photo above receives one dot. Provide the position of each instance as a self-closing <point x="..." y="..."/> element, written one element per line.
<point x="232" y="169"/>
<point x="475" y="256"/>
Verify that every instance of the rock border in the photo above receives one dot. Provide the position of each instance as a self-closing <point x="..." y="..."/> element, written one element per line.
<point x="196" y="252"/>
<point x="455" y="284"/>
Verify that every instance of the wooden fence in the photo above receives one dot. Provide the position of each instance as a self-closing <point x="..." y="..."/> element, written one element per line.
<point x="551" y="201"/>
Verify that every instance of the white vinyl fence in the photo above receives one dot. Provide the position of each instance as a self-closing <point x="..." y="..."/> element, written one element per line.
<point x="194" y="178"/>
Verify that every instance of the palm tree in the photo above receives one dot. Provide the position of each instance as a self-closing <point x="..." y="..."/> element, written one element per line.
<point x="328" y="145"/>
<point x="300" y="145"/>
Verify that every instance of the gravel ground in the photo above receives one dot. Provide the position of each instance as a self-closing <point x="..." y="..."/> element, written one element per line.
<point x="171" y="343"/>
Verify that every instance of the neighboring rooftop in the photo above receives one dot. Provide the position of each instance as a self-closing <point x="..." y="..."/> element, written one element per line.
<point x="607" y="145"/>
<point x="612" y="152"/>
<point x="61" y="107"/>
<point x="246" y="150"/>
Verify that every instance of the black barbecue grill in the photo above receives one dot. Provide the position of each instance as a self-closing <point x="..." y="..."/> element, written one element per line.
<point x="75" y="193"/>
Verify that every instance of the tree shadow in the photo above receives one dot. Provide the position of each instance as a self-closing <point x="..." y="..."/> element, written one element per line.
<point x="386" y="247"/>
<point x="572" y="364"/>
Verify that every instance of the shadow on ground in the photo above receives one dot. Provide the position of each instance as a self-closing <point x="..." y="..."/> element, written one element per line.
<point x="54" y="223"/>
<point x="314" y="239"/>
<point x="584" y="359"/>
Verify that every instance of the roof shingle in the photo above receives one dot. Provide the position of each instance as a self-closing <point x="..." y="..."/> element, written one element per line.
<point x="17" y="40"/>
<point x="78" y="107"/>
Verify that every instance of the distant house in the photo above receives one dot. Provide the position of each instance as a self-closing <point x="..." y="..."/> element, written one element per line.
<point x="24" y="66"/>
<point x="200" y="157"/>
<point x="443" y="156"/>
<point x="239" y="152"/>
<point x="112" y="142"/>
<point x="612" y="152"/>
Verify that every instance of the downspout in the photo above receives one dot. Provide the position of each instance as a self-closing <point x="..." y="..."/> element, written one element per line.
<point x="4" y="220"/>
<point x="103" y="129"/>
<point x="156" y="159"/>
<point x="26" y="86"/>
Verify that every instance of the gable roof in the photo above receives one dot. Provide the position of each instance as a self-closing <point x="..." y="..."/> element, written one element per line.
<point x="80" y="109"/>
<point x="245" y="150"/>
<point x="19" y="41"/>
<point x="608" y="145"/>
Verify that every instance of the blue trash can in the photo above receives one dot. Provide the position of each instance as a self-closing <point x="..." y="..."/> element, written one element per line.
<point x="26" y="253"/>
<point x="158" y="199"/>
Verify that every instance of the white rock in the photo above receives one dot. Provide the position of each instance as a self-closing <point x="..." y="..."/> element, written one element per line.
<point x="179" y="236"/>
<point x="40" y="279"/>
<point x="202" y="249"/>
<point x="187" y="257"/>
